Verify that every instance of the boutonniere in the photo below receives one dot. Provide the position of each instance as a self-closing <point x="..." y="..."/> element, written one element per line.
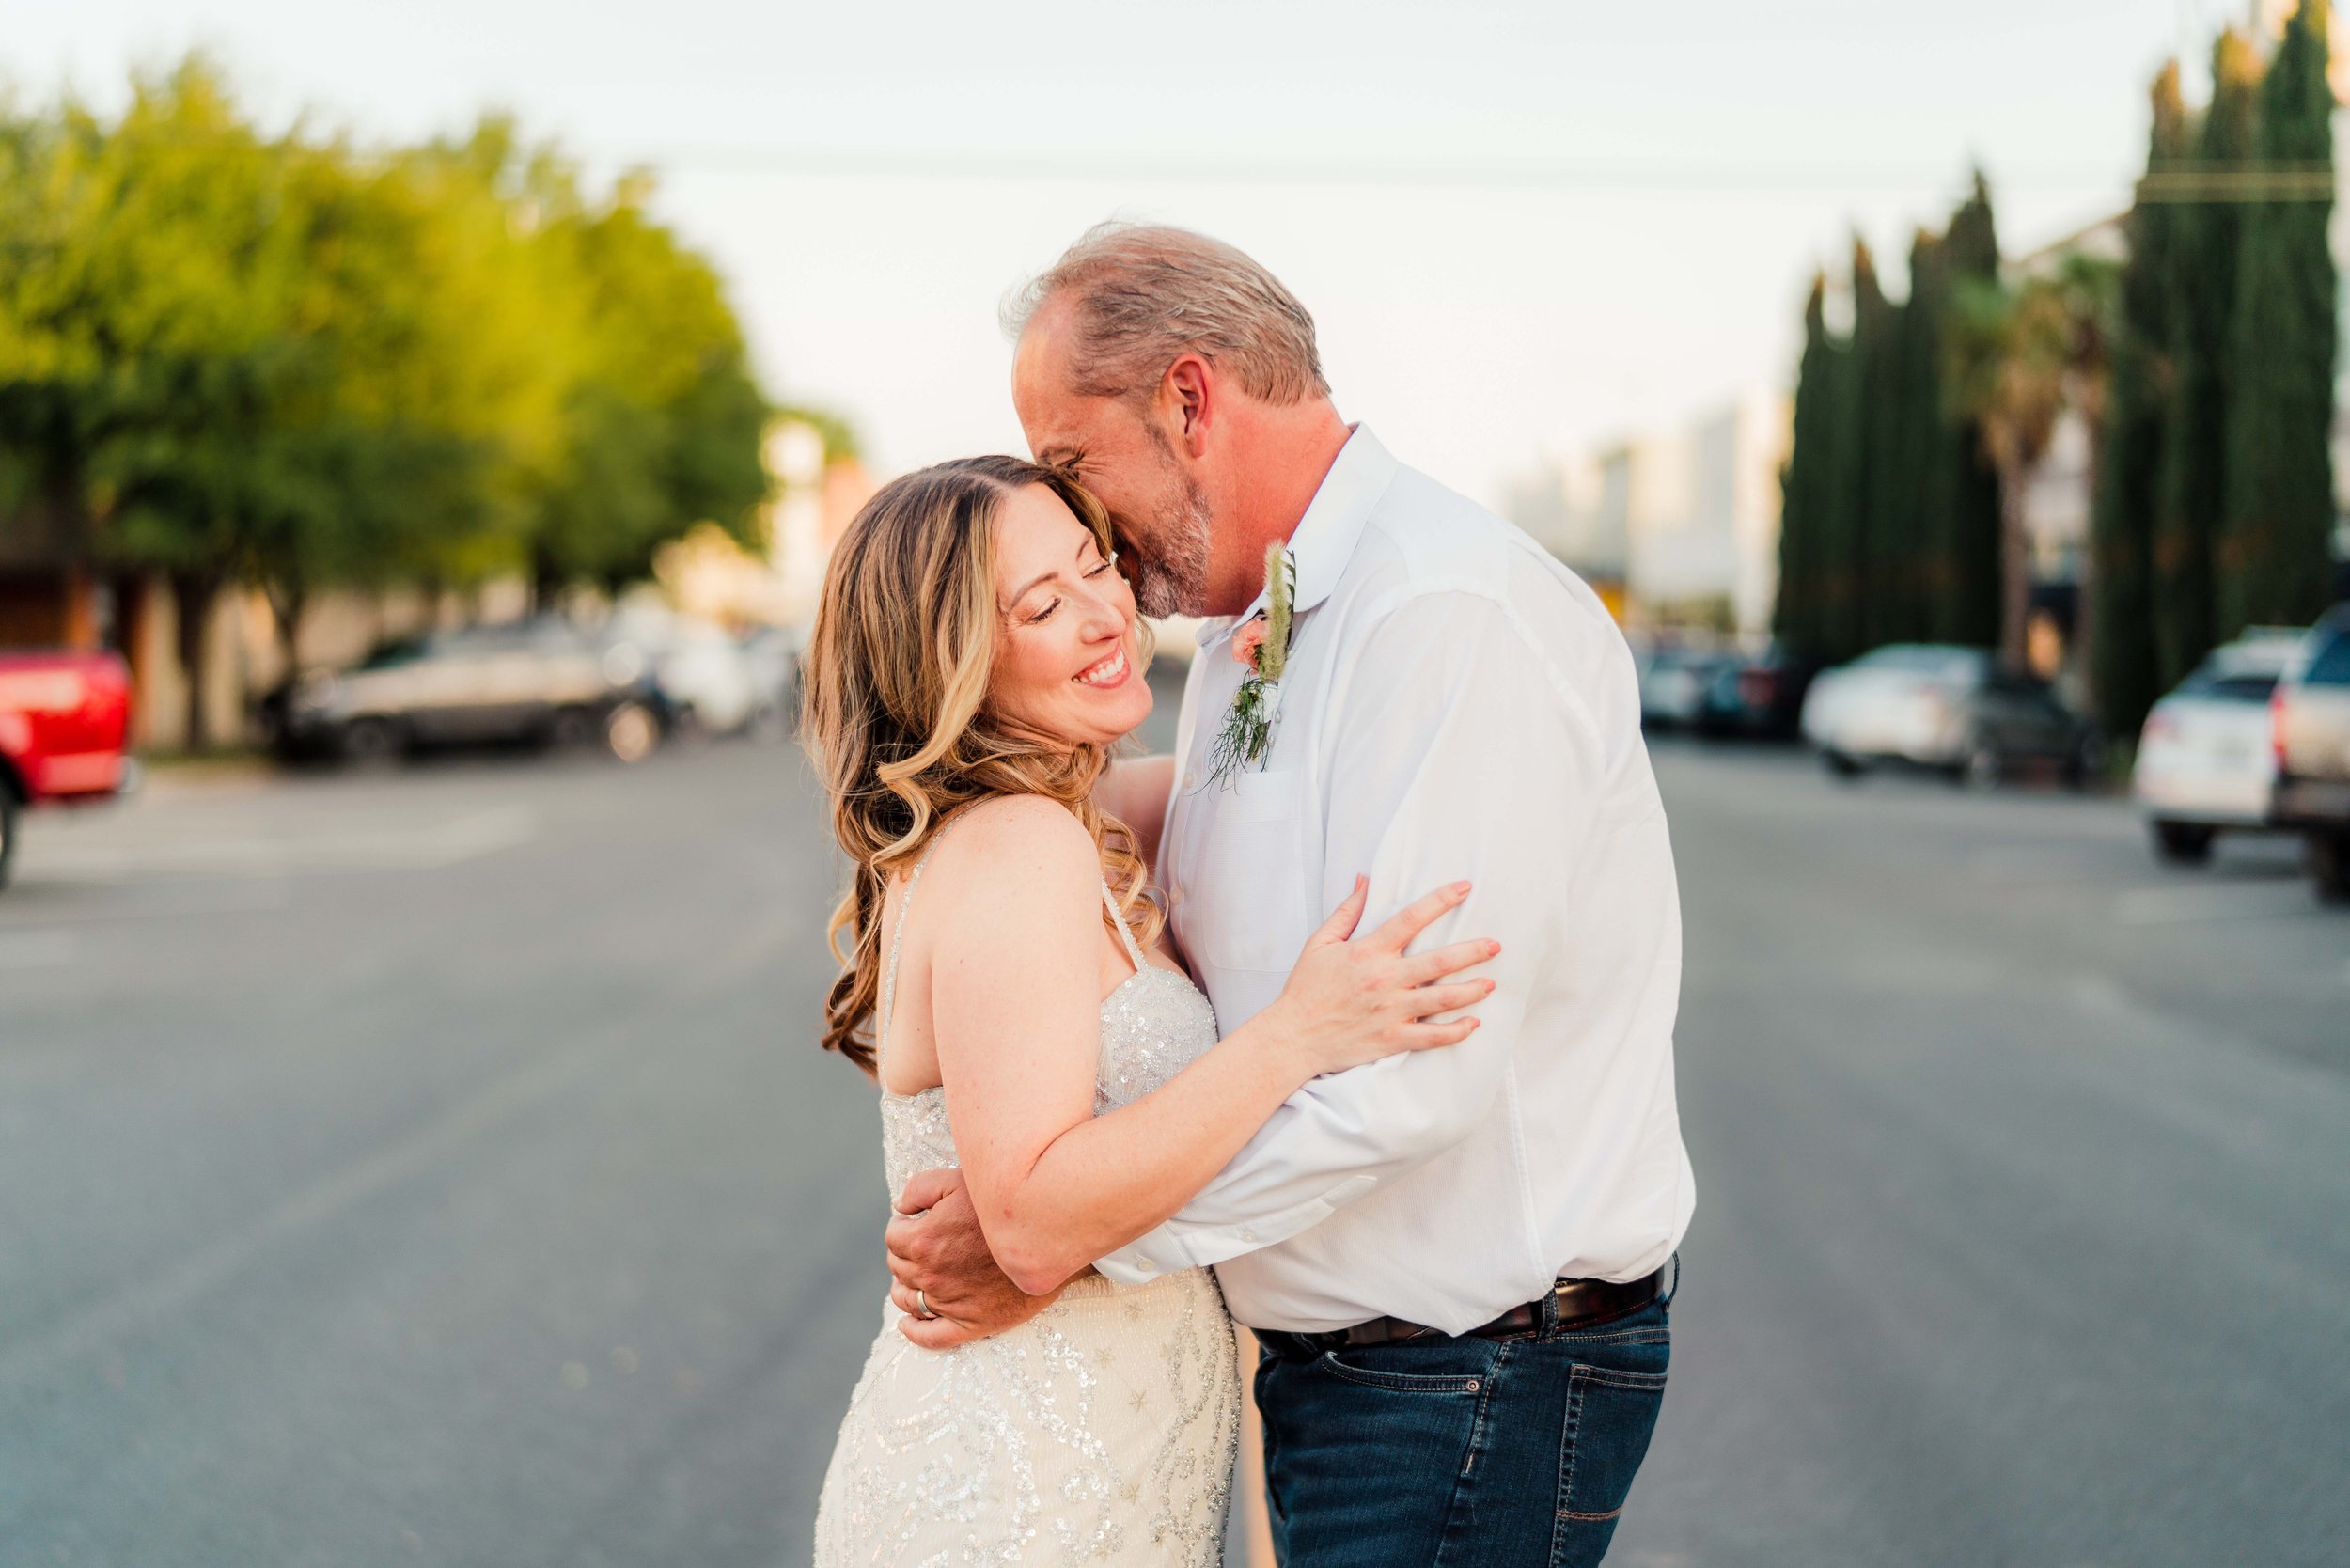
<point x="1263" y="644"/>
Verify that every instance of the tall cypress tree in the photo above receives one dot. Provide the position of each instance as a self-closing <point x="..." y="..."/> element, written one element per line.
<point x="1962" y="498"/>
<point x="1903" y="541"/>
<point x="2274" y="548"/>
<point x="2190" y="483"/>
<point x="2124" y="666"/>
<point x="1807" y="483"/>
<point x="1850" y="575"/>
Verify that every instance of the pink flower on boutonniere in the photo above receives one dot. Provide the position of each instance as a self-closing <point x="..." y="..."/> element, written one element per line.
<point x="1247" y="640"/>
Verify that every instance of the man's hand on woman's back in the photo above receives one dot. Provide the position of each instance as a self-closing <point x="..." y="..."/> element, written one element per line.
<point x="936" y="1247"/>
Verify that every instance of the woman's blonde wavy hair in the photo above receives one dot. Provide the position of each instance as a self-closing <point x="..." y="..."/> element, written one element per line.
<point x="897" y="713"/>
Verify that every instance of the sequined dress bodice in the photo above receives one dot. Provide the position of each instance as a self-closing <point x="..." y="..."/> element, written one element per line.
<point x="1152" y="1026"/>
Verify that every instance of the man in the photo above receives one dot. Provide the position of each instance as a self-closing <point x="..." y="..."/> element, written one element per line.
<point x="1454" y="1260"/>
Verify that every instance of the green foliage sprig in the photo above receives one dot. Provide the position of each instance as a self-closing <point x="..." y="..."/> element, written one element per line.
<point x="1264" y="642"/>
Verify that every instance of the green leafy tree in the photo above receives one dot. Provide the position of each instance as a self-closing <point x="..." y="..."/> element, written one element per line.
<point x="2190" y="482"/>
<point x="234" y="358"/>
<point x="2273" y="550"/>
<point x="664" y="421"/>
<point x="149" y="273"/>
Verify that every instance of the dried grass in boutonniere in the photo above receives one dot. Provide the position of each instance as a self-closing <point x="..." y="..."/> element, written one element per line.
<point x="1263" y="644"/>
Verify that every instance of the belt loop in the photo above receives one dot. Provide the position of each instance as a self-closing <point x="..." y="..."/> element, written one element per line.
<point x="1546" y="1315"/>
<point x="1666" y="1300"/>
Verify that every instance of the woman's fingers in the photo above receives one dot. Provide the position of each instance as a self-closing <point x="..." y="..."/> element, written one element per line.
<point x="1427" y="1037"/>
<point x="1431" y="1000"/>
<point x="1418" y="916"/>
<point x="1343" y="919"/>
<point x="1436" y="963"/>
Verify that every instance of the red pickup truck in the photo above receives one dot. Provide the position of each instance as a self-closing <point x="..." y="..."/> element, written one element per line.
<point x="63" y="717"/>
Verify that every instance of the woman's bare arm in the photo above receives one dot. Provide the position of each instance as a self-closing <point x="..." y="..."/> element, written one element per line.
<point x="1015" y="1001"/>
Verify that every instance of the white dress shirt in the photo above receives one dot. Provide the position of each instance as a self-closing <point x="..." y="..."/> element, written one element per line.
<point x="1457" y="704"/>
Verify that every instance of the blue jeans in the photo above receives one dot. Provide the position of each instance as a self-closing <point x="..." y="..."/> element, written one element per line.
<point x="1463" y="1453"/>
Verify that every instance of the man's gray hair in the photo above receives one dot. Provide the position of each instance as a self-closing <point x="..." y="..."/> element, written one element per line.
<point x="1143" y="295"/>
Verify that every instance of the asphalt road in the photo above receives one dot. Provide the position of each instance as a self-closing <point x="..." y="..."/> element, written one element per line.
<point x="437" y="1168"/>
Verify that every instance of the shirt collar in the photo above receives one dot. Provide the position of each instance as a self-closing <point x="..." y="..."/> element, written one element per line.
<point x="1325" y="538"/>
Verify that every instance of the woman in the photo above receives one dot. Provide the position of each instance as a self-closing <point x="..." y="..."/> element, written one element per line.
<point x="976" y="656"/>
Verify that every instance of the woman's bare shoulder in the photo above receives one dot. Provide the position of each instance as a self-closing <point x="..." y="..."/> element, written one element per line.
<point x="1015" y="847"/>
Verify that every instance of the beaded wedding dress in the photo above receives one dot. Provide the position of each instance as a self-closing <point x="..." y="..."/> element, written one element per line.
<point x="1103" y="1430"/>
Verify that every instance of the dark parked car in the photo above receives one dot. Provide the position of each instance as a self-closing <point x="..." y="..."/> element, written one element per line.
<point x="536" y="682"/>
<point x="1756" y="696"/>
<point x="1936" y="705"/>
<point x="2311" y="714"/>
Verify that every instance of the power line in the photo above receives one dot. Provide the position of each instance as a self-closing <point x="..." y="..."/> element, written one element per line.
<point x="1467" y="174"/>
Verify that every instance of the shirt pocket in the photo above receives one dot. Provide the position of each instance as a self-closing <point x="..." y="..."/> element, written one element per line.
<point x="1249" y="890"/>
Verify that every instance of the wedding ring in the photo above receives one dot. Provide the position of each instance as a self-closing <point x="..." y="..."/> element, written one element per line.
<point x="922" y="1306"/>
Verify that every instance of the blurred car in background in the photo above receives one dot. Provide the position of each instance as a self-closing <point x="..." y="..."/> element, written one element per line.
<point x="1674" y="682"/>
<point x="1754" y="697"/>
<point x="540" y="681"/>
<point x="1952" y="709"/>
<point x="775" y="653"/>
<point x="2311" y="710"/>
<point x="2206" y="757"/>
<point x="63" y="721"/>
<point x="710" y="680"/>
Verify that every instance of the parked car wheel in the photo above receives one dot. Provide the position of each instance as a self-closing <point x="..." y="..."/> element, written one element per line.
<point x="7" y="831"/>
<point x="631" y="732"/>
<point x="2329" y="862"/>
<point x="1843" y="764"/>
<point x="1979" y="767"/>
<point x="2087" y="763"/>
<point x="573" y="728"/>
<point x="2181" y="843"/>
<point x="371" y="742"/>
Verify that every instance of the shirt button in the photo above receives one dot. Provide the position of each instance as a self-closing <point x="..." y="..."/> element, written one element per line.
<point x="1147" y="1266"/>
<point x="1190" y="778"/>
<point x="1247" y="1235"/>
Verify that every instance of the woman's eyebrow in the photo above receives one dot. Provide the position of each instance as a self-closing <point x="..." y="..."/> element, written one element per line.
<point x="1022" y="593"/>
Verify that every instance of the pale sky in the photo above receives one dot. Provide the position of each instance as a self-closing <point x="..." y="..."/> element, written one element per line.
<point x="1609" y="221"/>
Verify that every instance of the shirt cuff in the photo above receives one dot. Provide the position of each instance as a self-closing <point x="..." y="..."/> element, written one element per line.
<point x="1180" y="1245"/>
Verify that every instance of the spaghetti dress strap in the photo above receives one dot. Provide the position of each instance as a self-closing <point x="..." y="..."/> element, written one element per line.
<point x="1117" y="919"/>
<point x="897" y="935"/>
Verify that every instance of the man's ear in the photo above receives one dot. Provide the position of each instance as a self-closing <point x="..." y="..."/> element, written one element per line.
<point x="1190" y="390"/>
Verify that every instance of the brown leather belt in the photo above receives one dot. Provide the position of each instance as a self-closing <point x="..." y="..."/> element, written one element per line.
<point x="1580" y="1302"/>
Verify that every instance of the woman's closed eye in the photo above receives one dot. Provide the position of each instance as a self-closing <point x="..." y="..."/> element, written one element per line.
<point x="1090" y="572"/>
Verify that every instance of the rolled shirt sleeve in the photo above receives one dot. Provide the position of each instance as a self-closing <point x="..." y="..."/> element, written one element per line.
<point x="1457" y="749"/>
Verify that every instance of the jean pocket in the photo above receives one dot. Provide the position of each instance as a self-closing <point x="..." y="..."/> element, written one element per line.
<point x="1401" y="1382"/>
<point x="1611" y="1413"/>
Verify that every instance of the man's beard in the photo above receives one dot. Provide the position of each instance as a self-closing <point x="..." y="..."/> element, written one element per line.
<point x="1170" y="554"/>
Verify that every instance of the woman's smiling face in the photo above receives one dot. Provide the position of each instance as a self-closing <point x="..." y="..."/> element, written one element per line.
<point x="1067" y="660"/>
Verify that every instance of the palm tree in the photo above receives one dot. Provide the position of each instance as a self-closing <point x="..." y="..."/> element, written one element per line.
<point x="2022" y="354"/>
